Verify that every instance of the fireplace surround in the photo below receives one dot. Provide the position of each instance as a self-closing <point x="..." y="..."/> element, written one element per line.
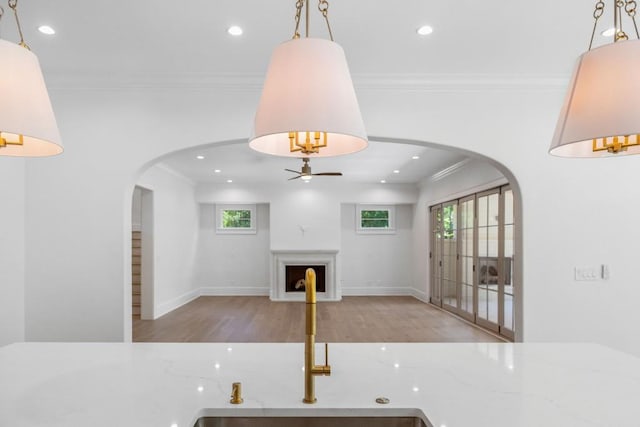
<point x="303" y="258"/>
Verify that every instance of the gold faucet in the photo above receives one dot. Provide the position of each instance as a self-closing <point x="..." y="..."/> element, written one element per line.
<point x="310" y="368"/>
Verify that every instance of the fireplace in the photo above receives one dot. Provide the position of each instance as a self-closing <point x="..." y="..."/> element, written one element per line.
<point x="295" y="275"/>
<point x="289" y="266"/>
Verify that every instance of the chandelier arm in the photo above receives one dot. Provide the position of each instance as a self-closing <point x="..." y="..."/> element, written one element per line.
<point x="323" y="7"/>
<point x="630" y="8"/>
<point x="597" y="13"/>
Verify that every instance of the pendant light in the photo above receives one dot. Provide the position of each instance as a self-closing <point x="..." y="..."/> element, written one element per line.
<point x="601" y="113"/>
<point x="308" y="106"/>
<point x="27" y="125"/>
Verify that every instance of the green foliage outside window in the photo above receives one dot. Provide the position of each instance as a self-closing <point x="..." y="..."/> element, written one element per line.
<point x="374" y="219"/>
<point x="449" y="221"/>
<point x="240" y="218"/>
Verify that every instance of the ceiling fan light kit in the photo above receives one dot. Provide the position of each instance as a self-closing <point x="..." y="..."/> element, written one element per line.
<point x="305" y="173"/>
<point x="308" y="105"/>
<point x="601" y="114"/>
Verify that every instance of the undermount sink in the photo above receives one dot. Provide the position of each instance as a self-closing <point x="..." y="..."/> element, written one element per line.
<point x="313" y="421"/>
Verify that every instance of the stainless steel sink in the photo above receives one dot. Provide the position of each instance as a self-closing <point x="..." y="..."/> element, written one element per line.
<point x="313" y="421"/>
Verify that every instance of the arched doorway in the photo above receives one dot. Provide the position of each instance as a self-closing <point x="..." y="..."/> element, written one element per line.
<point x="421" y="266"/>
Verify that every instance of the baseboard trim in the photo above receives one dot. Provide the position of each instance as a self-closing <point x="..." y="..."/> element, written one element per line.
<point x="419" y="295"/>
<point x="234" y="291"/>
<point x="169" y="306"/>
<point x="362" y="291"/>
<point x="187" y="297"/>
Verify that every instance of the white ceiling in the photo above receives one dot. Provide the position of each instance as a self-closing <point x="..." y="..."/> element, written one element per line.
<point x="377" y="162"/>
<point x="178" y="39"/>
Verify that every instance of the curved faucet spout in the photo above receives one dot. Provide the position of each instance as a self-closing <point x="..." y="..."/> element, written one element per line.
<point x="310" y="368"/>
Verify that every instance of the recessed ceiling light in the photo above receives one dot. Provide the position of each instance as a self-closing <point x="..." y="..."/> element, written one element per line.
<point x="200" y="157"/>
<point x="234" y="30"/>
<point x="45" y="29"/>
<point x="396" y="171"/>
<point x="415" y="157"/>
<point x="382" y="181"/>
<point x="229" y="181"/>
<point x="217" y="171"/>
<point x="609" y="32"/>
<point x="424" y="30"/>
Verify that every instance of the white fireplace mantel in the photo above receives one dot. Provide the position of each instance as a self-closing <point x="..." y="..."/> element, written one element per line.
<point x="282" y="258"/>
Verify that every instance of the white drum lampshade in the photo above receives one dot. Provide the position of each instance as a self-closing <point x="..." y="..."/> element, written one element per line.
<point x="308" y="88"/>
<point x="601" y="112"/>
<point x="25" y="108"/>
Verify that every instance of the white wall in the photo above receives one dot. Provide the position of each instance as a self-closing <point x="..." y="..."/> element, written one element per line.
<point x="79" y="204"/>
<point x="175" y="238"/>
<point x="474" y="176"/>
<point x="232" y="264"/>
<point x="377" y="264"/>
<point x="12" y="250"/>
<point x="305" y="216"/>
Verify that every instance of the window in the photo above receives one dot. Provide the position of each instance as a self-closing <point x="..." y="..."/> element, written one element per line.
<point x="375" y="219"/>
<point x="236" y="219"/>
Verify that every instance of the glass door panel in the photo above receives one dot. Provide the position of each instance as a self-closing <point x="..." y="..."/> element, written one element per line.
<point x="488" y="260"/>
<point x="507" y="325"/>
<point x="449" y="255"/>
<point x="436" y="255"/>
<point x="466" y="250"/>
<point x="472" y="258"/>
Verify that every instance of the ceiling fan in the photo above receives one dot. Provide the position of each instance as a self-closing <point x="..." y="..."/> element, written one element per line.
<point x="306" y="174"/>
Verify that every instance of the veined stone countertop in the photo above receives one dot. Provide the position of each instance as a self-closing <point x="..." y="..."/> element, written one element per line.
<point x="453" y="385"/>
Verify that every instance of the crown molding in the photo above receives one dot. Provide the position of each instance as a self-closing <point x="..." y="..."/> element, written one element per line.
<point x="253" y="82"/>
<point x="171" y="171"/>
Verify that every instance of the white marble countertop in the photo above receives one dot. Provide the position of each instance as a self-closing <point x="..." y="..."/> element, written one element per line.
<point x="453" y="385"/>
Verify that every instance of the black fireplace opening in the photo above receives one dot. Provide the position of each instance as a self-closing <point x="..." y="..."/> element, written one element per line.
<point x="294" y="277"/>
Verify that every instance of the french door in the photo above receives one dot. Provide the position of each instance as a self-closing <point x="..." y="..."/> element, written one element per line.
<point x="472" y="252"/>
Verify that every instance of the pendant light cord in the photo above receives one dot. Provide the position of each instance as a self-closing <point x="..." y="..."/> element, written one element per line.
<point x="13" y="4"/>
<point x="323" y="7"/>
<point x="597" y="13"/>
<point x="629" y="6"/>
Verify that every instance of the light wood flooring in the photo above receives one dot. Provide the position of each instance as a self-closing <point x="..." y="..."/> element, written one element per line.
<point x="354" y="319"/>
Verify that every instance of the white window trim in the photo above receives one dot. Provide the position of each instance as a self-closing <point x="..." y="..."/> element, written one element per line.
<point x="392" y="219"/>
<point x="228" y="207"/>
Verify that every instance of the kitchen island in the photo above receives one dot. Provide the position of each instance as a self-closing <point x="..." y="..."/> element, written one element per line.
<point x="452" y="385"/>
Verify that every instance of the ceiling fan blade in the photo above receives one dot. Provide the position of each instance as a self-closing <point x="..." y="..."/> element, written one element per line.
<point x="328" y="174"/>
<point x="291" y="170"/>
<point x="295" y="177"/>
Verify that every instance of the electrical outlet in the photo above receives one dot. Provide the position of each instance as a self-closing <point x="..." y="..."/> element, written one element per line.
<point x="584" y="274"/>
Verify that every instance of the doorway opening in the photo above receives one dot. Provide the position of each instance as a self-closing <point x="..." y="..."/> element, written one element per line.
<point x="142" y="292"/>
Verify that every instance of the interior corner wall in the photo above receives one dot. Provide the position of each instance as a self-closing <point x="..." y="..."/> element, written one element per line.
<point x="233" y="264"/>
<point x="175" y="237"/>
<point x="12" y="250"/>
<point x="376" y="264"/>
<point x="475" y="176"/>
